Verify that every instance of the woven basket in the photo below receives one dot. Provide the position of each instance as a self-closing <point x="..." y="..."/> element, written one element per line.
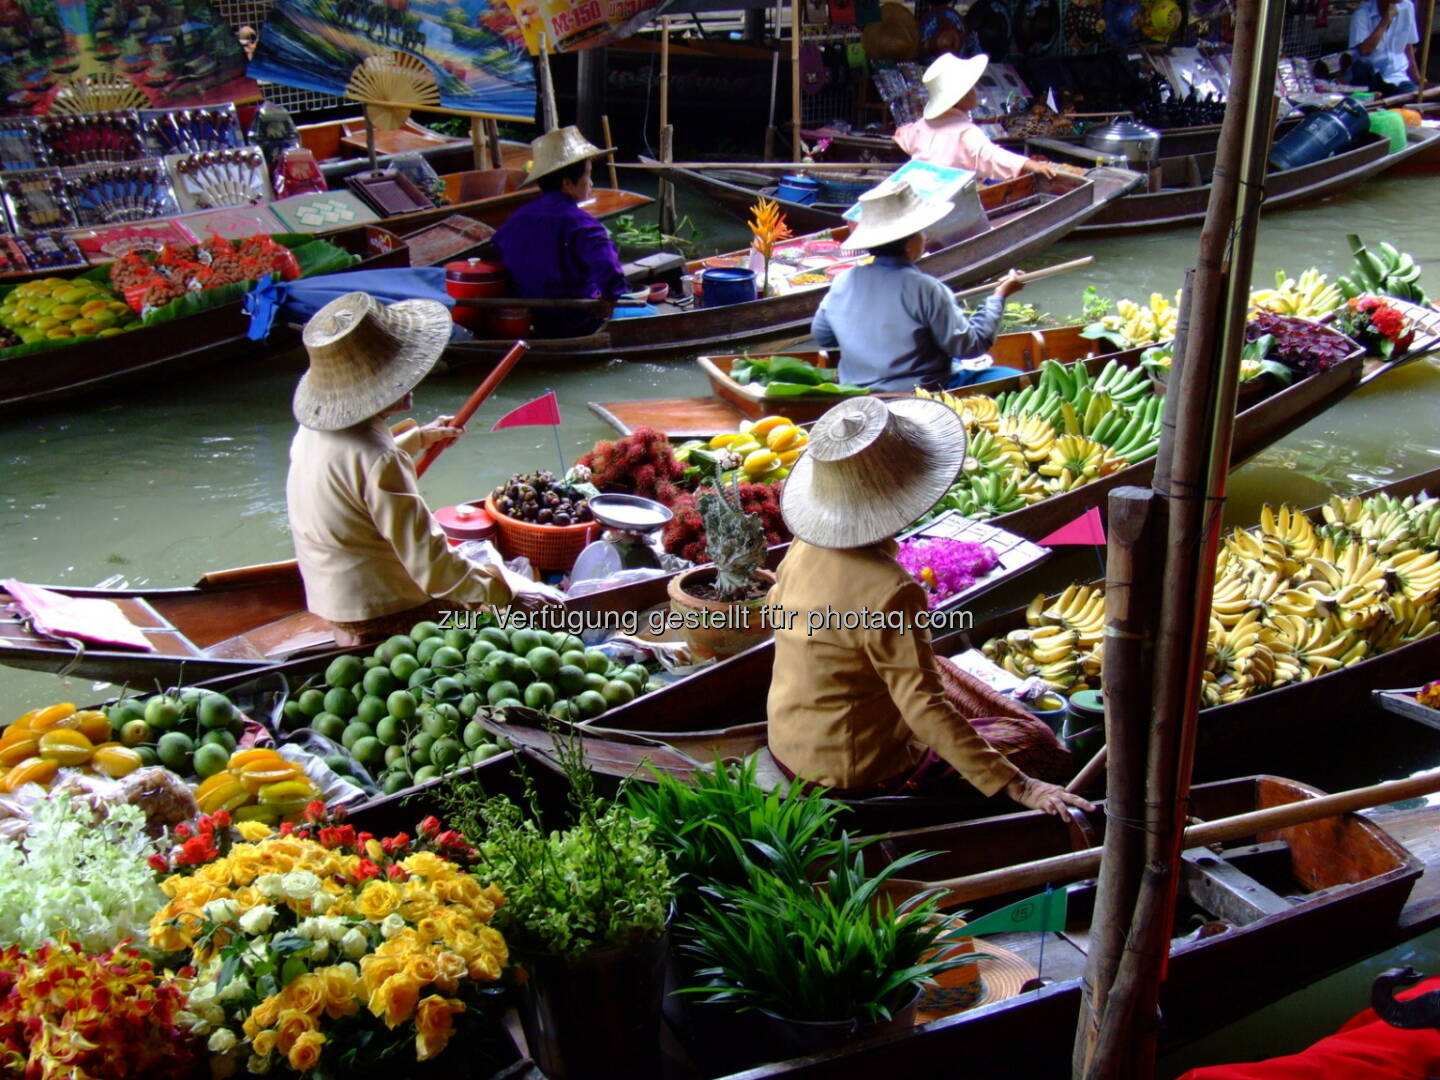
<point x="548" y="547"/>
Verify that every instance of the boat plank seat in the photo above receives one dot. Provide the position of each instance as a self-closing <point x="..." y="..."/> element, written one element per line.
<point x="481" y="184"/>
<point x="1225" y="891"/>
<point x="278" y="640"/>
<point x="162" y="634"/>
<point x="679" y="418"/>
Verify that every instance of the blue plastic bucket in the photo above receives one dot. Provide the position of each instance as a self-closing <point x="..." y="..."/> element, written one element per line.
<point x="1353" y="115"/>
<point x="1315" y="138"/>
<point x="800" y="189"/>
<point x="727" y="285"/>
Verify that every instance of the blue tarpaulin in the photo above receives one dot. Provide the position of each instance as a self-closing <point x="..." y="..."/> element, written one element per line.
<point x="296" y="301"/>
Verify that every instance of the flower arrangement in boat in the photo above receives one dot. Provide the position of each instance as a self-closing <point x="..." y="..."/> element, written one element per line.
<point x="320" y="946"/>
<point x="945" y="567"/>
<point x="768" y="228"/>
<point x="1429" y="694"/>
<point x="1382" y="329"/>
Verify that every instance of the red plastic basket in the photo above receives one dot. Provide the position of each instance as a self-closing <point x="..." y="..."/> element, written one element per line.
<point x="548" y="547"/>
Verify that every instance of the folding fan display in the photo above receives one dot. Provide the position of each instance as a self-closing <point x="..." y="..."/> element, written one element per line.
<point x="219" y="178"/>
<point x="81" y="139"/>
<point x="191" y="131"/>
<point x="103" y="92"/>
<point x="116" y="193"/>
<point x="390" y="85"/>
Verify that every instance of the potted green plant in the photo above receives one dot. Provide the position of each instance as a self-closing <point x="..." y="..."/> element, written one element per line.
<point x="717" y="606"/>
<point x="586" y="915"/>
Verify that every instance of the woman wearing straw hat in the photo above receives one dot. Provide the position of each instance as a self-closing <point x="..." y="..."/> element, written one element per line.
<point x="555" y="250"/>
<point x="945" y="134"/>
<point x="896" y="326"/>
<point x="372" y="557"/>
<point x="856" y="703"/>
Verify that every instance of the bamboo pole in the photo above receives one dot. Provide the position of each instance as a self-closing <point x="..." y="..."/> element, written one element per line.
<point x="774" y="89"/>
<point x="1424" y="62"/>
<point x="664" y="70"/>
<point x="477" y="142"/>
<point x="492" y="136"/>
<point x="549" y="117"/>
<point x="667" y="189"/>
<point x="370" y="141"/>
<point x="795" y="79"/>
<point x="1134" y="563"/>
<point x="1190" y="475"/>
<point x="610" y="157"/>
<point x="765" y="166"/>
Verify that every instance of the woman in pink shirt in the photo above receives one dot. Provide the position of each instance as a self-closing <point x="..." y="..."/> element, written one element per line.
<point x="947" y="136"/>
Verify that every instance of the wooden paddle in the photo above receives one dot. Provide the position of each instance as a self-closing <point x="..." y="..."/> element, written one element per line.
<point x="483" y="391"/>
<point x="1079" y="864"/>
<point x="1031" y="275"/>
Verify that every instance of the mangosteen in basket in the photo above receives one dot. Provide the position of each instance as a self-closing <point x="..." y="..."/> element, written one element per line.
<point x="562" y="518"/>
<point x="546" y="516"/>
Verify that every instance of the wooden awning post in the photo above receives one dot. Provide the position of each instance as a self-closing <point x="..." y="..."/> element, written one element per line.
<point x="795" y="121"/>
<point x="1190" y="475"/>
<point x="774" y="88"/>
<point x="370" y="141"/>
<point x="666" y="190"/>
<point x="549" y="116"/>
<point x="1426" y="30"/>
<point x="477" y="142"/>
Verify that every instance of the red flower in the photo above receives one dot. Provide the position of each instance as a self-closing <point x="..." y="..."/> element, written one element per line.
<point x="221" y="819"/>
<point x="182" y="831"/>
<point x="197" y="850"/>
<point x="159" y="864"/>
<point x="1388" y="321"/>
<point x="315" y="811"/>
<point x="391" y="844"/>
<point x="396" y="872"/>
<point x="366" y="870"/>
<point x="428" y="827"/>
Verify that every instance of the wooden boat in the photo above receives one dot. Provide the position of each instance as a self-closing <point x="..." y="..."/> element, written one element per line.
<point x="1426" y="321"/>
<point x="182" y="345"/>
<point x="254" y="617"/>
<point x="1253" y="734"/>
<point x="1025" y="216"/>
<point x="729" y="402"/>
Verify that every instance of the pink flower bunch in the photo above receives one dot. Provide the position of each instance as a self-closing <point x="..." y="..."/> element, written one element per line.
<point x="945" y="567"/>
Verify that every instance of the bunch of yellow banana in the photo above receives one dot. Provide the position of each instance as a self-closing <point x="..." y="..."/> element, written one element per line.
<point x="1309" y="297"/>
<point x="1074" y="460"/>
<point x="1292" y="600"/>
<point x="763" y="450"/>
<point x="1141" y="325"/>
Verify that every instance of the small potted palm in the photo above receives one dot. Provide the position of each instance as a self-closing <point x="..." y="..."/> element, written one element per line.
<point x="718" y="606"/>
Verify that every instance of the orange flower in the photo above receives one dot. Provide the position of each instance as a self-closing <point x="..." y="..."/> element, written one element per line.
<point x="293" y="1024"/>
<point x="305" y="1054"/>
<point x="434" y="1023"/>
<point x="768" y="226"/>
<point x="264" y="1043"/>
<point x="306" y="993"/>
<point x="394" y="1000"/>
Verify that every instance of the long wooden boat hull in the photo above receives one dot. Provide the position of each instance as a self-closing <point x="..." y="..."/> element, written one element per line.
<point x="1028" y="215"/>
<point x="177" y="347"/>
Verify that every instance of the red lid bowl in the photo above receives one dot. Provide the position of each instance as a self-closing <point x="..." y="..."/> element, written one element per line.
<point x="473" y="270"/>
<point x="468" y="521"/>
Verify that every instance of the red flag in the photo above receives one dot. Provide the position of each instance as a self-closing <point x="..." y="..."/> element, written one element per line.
<point x="545" y="409"/>
<point x="1086" y="529"/>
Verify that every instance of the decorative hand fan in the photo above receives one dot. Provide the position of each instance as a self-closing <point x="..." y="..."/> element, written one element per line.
<point x="390" y="85"/>
<point x="105" y="92"/>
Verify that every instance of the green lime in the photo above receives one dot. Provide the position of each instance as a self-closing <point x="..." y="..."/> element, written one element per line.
<point x="426" y="650"/>
<point x="312" y="702"/>
<point x="341" y="701"/>
<point x="390" y="731"/>
<point x="208" y="760"/>
<point x="522" y="641"/>
<point x="369" y="751"/>
<point x="595" y="682"/>
<point x="570" y="680"/>
<point x="436" y="723"/>
<point x="475" y="680"/>
<point x="219" y="738"/>
<point x="403" y="666"/>
<point x="426" y="773"/>
<point x="339" y="763"/>
<point x="329" y="725"/>
<point x="544" y="661"/>
<point x="496" y="637"/>
<point x="292" y="718"/>
<point x="190" y="699"/>
<point x="547" y="639"/>
<point x="379" y="682"/>
<point x="423" y="631"/>
<point x="420" y="677"/>
<point x="569" y="643"/>
<point x="573" y="658"/>
<point x="344" y="671"/>
<point x="136" y="732"/>
<point x="420" y="747"/>
<point x="501" y="690"/>
<point x="617" y="692"/>
<point x="448" y="689"/>
<point x="162" y="712"/>
<point x="395" y="646"/>
<point x="509" y="703"/>
<point x="539" y="695"/>
<point x="371" y="709"/>
<point x="447" y="659"/>
<point x="354" y="732"/>
<point x="640" y="671"/>
<point x="395" y="782"/>
<point x="474" y="734"/>
<point x="485" y="751"/>
<point x="479" y="650"/>
<point x="370" y="662"/>
<point x="457" y="638"/>
<point x="564" y="711"/>
<point x="175" y="750"/>
<point x="596" y="662"/>
<point x="590" y="704"/>
<point x="148" y="757"/>
<point x="498" y="666"/>
<point x="123" y="711"/>
<point x="635" y="682"/>
<point x="394" y="754"/>
<point x="468" y="704"/>
<point x="523" y="674"/>
<point x="445" y="753"/>
<point x="401" y="704"/>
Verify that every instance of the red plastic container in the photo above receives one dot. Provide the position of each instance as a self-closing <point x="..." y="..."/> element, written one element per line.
<point x="472" y="279"/>
<point x="508" y="322"/>
<point x="468" y="521"/>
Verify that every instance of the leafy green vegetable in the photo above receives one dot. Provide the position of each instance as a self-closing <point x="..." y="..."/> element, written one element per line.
<point x="787" y="389"/>
<point x="792" y="369"/>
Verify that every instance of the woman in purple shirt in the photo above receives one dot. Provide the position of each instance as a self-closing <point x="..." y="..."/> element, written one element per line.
<point x="554" y="249"/>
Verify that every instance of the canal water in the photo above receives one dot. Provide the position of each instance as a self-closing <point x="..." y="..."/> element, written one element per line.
<point x="155" y="485"/>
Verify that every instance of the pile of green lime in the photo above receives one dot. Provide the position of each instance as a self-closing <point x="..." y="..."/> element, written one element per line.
<point x="192" y="732"/>
<point x="407" y="711"/>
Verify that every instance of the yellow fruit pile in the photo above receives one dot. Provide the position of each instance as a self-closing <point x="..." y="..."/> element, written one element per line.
<point x="1293" y="600"/>
<point x="1310" y="297"/>
<point x="257" y="785"/>
<point x="764" y="449"/>
<point x="1136" y="324"/>
<point x="55" y="309"/>
<point x="36" y="746"/>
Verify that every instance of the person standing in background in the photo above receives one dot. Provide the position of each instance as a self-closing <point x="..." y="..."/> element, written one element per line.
<point x="1383" y="36"/>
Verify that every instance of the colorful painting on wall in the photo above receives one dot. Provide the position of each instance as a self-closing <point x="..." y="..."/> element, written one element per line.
<point x="175" y="52"/>
<point x="473" y="48"/>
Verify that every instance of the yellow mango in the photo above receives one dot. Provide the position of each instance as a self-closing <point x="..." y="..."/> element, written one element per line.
<point x="760" y="462"/>
<point x="94" y="724"/>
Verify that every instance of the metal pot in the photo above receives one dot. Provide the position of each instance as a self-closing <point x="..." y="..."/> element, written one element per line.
<point x="1137" y="144"/>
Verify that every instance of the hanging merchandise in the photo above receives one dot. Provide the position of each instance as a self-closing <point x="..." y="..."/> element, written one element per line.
<point x="816" y="13"/>
<point x="1084" y="25"/>
<point x="1160" y="20"/>
<point x="842" y="12"/>
<point x="989" y="20"/>
<point x="855" y="56"/>
<point x="945" y="30"/>
<point x="1122" y="22"/>
<point x="298" y="173"/>
<point x="814" y="74"/>
<point x="1036" y="24"/>
<point x="274" y="131"/>
<point x="895" y="37"/>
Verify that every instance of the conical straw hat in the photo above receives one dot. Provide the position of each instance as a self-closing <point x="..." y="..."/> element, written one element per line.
<point x="365" y="355"/>
<point x="870" y="469"/>
<point x="893" y="211"/>
<point x="559" y="148"/>
<point x="949" y="79"/>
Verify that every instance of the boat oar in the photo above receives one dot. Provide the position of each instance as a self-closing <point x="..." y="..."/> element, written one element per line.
<point x="1030" y="875"/>
<point x="483" y="391"/>
<point x="1031" y="275"/>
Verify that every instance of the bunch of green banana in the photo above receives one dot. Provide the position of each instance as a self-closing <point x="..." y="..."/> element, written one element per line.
<point x="1385" y="272"/>
<point x="1309" y="297"/>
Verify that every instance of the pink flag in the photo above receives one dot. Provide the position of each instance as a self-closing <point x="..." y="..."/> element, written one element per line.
<point x="545" y="409"/>
<point x="1086" y="529"/>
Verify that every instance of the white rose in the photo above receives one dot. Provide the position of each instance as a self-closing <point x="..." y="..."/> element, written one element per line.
<point x="222" y="1041"/>
<point x="300" y="884"/>
<point x="259" y="1065"/>
<point x="319" y="950"/>
<point x="354" y="944"/>
<point x="212" y="1014"/>
<point x="221" y="911"/>
<point x="391" y="925"/>
<point x="310" y="929"/>
<point x="237" y="987"/>
<point x="271" y="886"/>
<point x="191" y="1023"/>
<point x="258" y="919"/>
<point x="202" y="992"/>
<point x="335" y="927"/>
<point x="321" y="902"/>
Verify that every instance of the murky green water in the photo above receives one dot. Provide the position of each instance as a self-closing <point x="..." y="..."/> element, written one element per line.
<point x="162" y="483"/>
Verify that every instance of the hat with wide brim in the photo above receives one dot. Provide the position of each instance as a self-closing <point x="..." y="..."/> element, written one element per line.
<point x="365" y="356"/>
<point x="949" y="79"/>
<point x="1002" y="975"/>
<point x="893" y="211"/>
<point x="558" y="149"/>
<point x="870" y="469"/>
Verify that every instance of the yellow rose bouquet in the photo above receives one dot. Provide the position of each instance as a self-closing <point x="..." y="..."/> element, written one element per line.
<point x="327" y="951"/>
